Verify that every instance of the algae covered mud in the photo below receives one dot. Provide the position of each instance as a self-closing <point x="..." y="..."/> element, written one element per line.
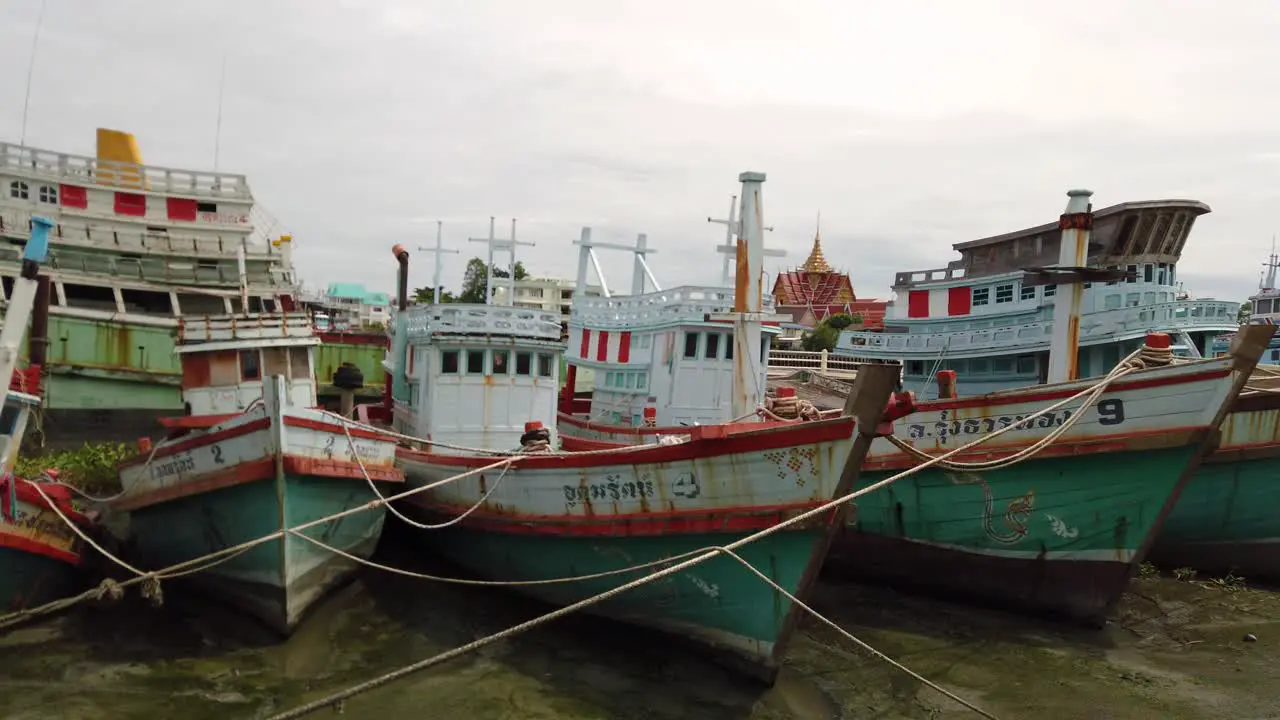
<point x="1174" y="649"/>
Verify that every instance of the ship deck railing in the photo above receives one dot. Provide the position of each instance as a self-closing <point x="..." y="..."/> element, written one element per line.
<point x="86" y="170"/>
<point x="424" y="321"/>
<point x="687" y="303"/>
<point x="17" y="224"/>
<point x="1177" y="315"/>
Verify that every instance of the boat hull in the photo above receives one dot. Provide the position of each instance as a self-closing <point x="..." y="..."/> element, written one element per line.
<point x="219" y="489"/>
<point x="558" y="516"/>
<point x="39" y="555"/>
<point x="1033" y="536"/>
<point x="1058" y="532"/>
<point x="1226" y="520"/>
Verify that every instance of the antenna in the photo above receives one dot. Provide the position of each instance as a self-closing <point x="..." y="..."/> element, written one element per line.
<point x="437" y="288"/>
<point x="31" y="66"/>
<point x="217" y="133"/>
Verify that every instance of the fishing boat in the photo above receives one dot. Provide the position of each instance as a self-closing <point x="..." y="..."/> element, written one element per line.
<point x="980" y="318"/>
<point x="481" y="379"/>
<point x="661" y="360"/>
<point x="39" y="554"/>
<point x="1064" y="529"/>
<point x="1226" y="520"/>
<point x="251" y="457"/>
<point x="135" y="248"/>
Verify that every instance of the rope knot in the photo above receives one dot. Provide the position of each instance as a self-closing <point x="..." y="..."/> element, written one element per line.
<point x="152" y="591"/>
<point x="108" y="589"/>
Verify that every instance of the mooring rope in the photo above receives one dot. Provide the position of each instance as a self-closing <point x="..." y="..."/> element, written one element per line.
<point x="713" y="549"/>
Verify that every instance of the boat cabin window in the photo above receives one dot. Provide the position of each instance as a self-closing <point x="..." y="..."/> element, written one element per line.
<point x="275" y="361"/>
<point x="915" y="367"/>
<point x="92" y="297"/>
<point x="981" y="296"/>
<point x="1026" y="364"/>
<point x="764" y="350"/>
<point x="19" y="190"/>
<point x="1028" y="292"/>
<point x="249" y="367"/>
<point x="643" y="342"/>
<point x="448" y="362"/>
<point x="1148" y="272"/>
<point x="475" y="362"/>
<point x="501" y="362"/>
<point x="1050" y="290"/>
<point x="691" y="345"/>
<point x="1262" y="307"/>
<point x="544" y="364"/>
<point x="145" y="302"/>
<point x="49" y="194"/>
<point x="7" y="283"/>
<point x="192" y="304"/>
<point x="713" y="346"/>
<point x="728" y="349"/>
<point x="1132" y="300"/>
<point x="300" y="362"/>
<point x="524" y="364"/>
<point x="1004" y="294"/>
<point x="1111" y="302"/>
<point x="1133" y="274"/>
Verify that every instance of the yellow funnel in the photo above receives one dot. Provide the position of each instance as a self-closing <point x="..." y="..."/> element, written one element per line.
<point x="118" y="159"/>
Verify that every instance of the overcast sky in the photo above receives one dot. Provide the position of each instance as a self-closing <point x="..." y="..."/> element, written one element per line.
<point x="910" y="125"/>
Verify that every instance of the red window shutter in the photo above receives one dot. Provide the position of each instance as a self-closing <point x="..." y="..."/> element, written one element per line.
<point x="181" y="209"/>
<point x="624" y="347"/>
<point x="602" y="349"/>
<point x="958" y="299"/>
<point x="585" y="351"/>
<point x="73" y="196"/>
<point x="918" y="303"/>
<point x="131" y="204"/>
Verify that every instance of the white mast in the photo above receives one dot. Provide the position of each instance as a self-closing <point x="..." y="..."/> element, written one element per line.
<point x="436" y="288"/>
<point x="728" y="248"/>
<point x="1076" y="224"/>
<point x="501" y="244"/>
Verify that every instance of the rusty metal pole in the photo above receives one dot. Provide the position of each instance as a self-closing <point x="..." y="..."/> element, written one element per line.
<point x="1076" y="223"/>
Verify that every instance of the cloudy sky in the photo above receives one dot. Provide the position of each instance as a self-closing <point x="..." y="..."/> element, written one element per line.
<point x="910" y="125"/>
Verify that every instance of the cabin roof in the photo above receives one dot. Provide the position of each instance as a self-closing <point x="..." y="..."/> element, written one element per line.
<point x="356" y="291"/>
<point x="1194" y="205"/>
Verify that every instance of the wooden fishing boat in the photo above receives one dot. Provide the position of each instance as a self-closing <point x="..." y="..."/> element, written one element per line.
<point x="475" y="374"/>
<point x="39" y="554"/>
<point x="1226" y="520"/>
<point x="1062" y="531"/>
<point x="254" y="457"/>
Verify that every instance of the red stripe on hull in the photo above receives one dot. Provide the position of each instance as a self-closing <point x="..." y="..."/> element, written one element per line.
<point x="741" y="438"/>
<point x="1122" y="442"/>
<point x="333" y="427"/>
<point x="200" y="441"/>
<point x="719" y="520"/>
<point x="261" y="469"/>
<point x="1139" y="384"/>
<point x="35" y="547"/>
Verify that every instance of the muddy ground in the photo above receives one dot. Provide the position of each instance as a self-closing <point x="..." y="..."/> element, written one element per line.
<point x="1176" y="649"/>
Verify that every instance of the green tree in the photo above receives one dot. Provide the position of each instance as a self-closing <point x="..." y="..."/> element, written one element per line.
<point x="822" y="337"/>
<point x="839" y="321"/>
<point x="1246" y="310"/>
<point x="474" y="280"/>
<point x="425" y="295"/>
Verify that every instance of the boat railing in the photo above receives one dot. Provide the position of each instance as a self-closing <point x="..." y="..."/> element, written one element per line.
<point x="911" y="277"/>
<point x="687" y="303"/>
<point x="423" y="321"/>
<point x="1178" y="315"/>
<point x="82" y="169"/>
<point x="253" y="326"/>
<point x="17" y="224"/>
<point x="820" y="360"/>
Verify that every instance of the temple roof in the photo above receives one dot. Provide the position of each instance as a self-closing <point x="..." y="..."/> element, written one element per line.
<point x="816" y="262"/>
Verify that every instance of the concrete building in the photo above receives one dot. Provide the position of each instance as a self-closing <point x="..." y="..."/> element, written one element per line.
<point x="543" y="293"/>
<point x="358" y="306"/>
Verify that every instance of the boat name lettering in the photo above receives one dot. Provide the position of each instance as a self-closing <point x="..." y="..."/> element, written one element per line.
<point x="365" y="451"/>
<point x="612" y="487"/>
<point x="686" y="486"/>
<point x="217" y="454"/>
<point x="217" y="217"/>
<point x="175" y="466"/>
<point x="1110" y="412"/>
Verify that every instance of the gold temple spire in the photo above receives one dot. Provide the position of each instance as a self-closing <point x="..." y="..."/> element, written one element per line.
<point x="816" y="262"/>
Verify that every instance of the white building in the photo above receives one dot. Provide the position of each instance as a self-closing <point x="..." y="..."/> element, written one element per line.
<point x="549" y="294"/>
